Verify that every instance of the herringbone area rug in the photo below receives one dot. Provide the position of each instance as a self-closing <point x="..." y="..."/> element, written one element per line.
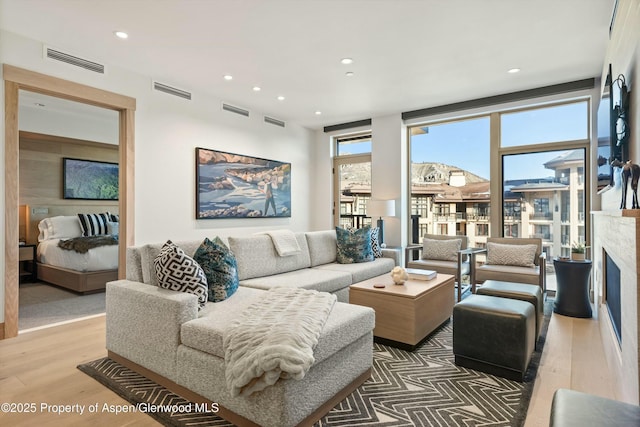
<point x="419" y="388"/>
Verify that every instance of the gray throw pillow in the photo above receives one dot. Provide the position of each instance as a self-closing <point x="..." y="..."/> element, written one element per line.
<point x="505" y="254"/>
<point x="443" y="250"/>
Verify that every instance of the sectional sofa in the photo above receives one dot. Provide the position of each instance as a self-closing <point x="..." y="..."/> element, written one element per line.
<point x="162" y="334"/>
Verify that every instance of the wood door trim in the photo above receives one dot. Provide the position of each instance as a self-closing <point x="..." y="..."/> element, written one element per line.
<point x="15" y="79"/>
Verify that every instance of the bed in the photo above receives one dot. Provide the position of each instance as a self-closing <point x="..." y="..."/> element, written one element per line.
<point x="80" y="272"/>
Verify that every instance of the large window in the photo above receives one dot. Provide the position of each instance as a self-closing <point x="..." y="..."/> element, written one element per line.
<point x="353" y="144"/>
<point x="352" y="180"/>
<point x="352" y="190"/>
<point x="540" y="155"/>
<point x="549" y="187"/>
<point x="450" y="179"/>
<point x="566" y="122"/>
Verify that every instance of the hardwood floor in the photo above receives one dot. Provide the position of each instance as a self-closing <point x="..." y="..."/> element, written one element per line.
<point x="40" y="367"/>
<point x="573" y="358"/>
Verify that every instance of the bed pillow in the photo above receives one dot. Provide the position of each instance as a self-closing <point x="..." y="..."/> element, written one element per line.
<point x="443" y="250"/>
<point x="94" y="224"/>
<point x="505" y="254"/>
<point x="221" y="268"/>
<point x="177" y="271"/>
<point x="113" y="228"/>
<point x="59" y="227"/>
<point x="353" y="247"/>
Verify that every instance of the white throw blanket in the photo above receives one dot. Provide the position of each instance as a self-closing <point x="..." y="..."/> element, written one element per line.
<point x="285" y="242"/>
<point x="274" y="338"/>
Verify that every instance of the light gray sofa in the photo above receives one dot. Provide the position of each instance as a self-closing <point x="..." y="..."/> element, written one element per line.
<point x="260" y="266"/>
<point x="161" y="334"/>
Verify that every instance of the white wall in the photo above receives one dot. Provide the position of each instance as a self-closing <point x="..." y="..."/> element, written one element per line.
<point x="167" y="131"/>
<point x="623" y="53"/>
<point x="99" y="127"/>
<point x="389" y="182"/>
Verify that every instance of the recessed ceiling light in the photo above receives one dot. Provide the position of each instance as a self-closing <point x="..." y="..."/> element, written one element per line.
<point x="256" y="89"/>
<point x="318" y="113"/>
<point x="228" y="77"/>
<point x="346" y="61"/>
<point x="514" y="70"/>
<point x="121" y="34"/>
<point x="281" y="98"/>
<point x="349" y="73"/>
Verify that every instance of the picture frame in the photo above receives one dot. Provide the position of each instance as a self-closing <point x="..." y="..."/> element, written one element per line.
<point x="89" y="179"/>
<point x="232" y="185"/>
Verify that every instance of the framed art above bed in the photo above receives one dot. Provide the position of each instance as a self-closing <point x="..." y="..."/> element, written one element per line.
<point x="89" y="179"/>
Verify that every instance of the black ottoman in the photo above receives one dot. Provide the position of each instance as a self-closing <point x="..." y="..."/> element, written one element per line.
<point x="494" y="335"/>
<point x="520" y="291"/>
<point x="575" y="409"/>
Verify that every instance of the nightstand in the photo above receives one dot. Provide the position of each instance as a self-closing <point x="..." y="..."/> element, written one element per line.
<point x="27" y="261"/>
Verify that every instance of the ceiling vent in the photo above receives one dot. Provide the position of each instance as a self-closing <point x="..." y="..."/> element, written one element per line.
<point x="236" y="110"/>
<point x="273" y="121"/>
<point x="172" y="90"/>
<point x="57" y="55"/>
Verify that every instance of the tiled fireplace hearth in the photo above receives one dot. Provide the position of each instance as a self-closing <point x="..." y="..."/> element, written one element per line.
<point x="616" y="236"/>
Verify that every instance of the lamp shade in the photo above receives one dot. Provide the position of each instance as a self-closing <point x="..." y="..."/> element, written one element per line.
<point x="380" y="208"/>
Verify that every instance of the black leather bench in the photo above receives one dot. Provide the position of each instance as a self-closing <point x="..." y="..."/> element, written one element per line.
<point x="494" y="335"/>
<point x="571" y="408"/>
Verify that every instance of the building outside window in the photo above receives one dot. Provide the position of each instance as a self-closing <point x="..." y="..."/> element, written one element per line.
<point x="449" y="174"/>
<point x="482" y="229"/>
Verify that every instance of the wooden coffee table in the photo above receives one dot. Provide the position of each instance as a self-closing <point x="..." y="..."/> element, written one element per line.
<point x="406" y="314"/>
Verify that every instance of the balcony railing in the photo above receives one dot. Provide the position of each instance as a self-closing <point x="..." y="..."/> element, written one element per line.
<point x="543" y="236"/>
<point x="456" y="216"/>
<point x="542" y="216"/>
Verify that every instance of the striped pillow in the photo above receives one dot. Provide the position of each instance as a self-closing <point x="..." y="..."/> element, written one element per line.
<point x="94" y="224"/>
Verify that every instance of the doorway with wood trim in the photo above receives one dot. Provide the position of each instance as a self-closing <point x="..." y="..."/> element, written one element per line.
<point x="17" y="79"/>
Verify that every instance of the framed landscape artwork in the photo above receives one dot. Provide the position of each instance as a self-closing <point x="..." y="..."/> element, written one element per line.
<point x="89" y="179"/>
<point x="235" y="186"/>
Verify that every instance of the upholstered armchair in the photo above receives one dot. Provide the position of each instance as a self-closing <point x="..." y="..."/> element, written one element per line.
<point x="518" y="260"/>
<point x="444" y="254"/>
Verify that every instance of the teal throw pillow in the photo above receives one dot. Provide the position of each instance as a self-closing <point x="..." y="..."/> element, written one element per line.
<point x="354" y="246"/>
<point x="220" y="267"/>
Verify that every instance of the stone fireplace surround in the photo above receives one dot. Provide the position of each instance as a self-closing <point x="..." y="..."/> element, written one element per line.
<point x="618" y="233"/>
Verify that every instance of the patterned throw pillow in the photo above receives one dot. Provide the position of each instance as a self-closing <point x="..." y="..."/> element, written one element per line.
<point x="94" y="224"/>
<point x="375" y="239"/>
<point x="220" y="266"/>
<point x="443" y="250"/>
<point x="375" y="242"/>
<point x="505" y="254"/>
<point x="353" y="246"/>
<point x="179" y="272"/>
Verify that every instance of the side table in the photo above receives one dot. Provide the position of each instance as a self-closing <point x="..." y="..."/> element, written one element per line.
<point x="572" y="294"/>
<point x="27" y="261"/>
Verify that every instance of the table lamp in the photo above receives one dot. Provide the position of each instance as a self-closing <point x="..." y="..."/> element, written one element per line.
<point x="381" y="208"/>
